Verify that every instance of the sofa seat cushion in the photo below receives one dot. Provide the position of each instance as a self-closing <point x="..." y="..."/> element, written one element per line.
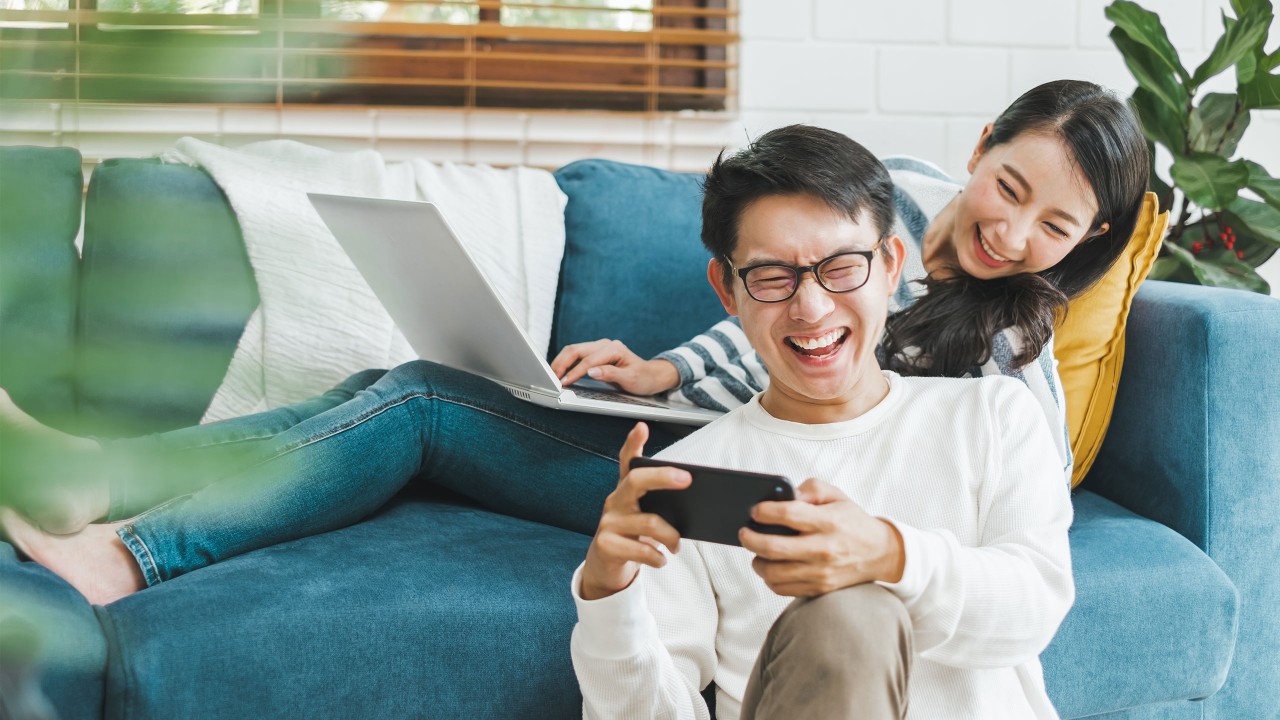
<point x="70" y="649"/>
<point x="428" y="609"/>
<point x="1154" y="618"/>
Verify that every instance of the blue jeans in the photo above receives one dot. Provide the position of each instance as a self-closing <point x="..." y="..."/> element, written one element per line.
<point x="215" y="491"/>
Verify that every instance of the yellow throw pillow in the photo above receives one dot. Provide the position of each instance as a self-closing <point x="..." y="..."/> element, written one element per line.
<point x="1089" y="341"/>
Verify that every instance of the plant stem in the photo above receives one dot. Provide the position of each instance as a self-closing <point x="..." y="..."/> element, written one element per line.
<point x="1183" y="215"/>
<point x="1231" y="124"/>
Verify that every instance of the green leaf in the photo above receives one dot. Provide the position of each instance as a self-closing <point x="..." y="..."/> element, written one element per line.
<point x="1242" y="38"/>
<point x="1150" y="74"/>
<point x="1218" y="124"/>
<point x="1163" y="191"/>
<point x="1253" y="253"/>
<point x="1259" y="220"/>
<point x="1159" y="123"/>
<point x="1226" y="271"/>
<point x="1263" y="92"/>
<point x="1144" y="27"/>
<point x="1261" y="182"/>
<point x="1243" y="6"/>
<point x="1243" y="271"/>
<point x="1167" y="268"/>
<point x="1210" y="181"/>
<point x="1247" y="68"/>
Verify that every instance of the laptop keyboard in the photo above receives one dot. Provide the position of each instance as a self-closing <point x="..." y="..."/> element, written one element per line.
<point x="613" y="397"/>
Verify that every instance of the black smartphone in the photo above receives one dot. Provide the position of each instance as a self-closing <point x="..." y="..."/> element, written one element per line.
<point x="717" y="503"/>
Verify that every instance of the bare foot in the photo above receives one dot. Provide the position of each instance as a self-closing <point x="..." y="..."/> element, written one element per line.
<point x="48" y="474"/>
<point x="93" y="561"/>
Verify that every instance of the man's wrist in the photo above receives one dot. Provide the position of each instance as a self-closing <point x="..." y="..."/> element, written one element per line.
<point x="589" y="591"/>
<point x="893" y="563"/>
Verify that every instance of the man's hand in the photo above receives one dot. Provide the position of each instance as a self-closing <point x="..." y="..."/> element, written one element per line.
<point x="839" y="544"/>
<point x="613" y="362"/>
<point x="624" y="538"/>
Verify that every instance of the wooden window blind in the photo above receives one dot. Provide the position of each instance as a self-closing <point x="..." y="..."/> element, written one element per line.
<point x="631" y="55"/>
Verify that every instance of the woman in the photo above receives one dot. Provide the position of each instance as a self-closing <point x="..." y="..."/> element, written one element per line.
<point x="1055" y="188"/>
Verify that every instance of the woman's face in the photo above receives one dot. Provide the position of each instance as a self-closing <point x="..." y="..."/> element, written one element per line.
<point x="1025" y="207"/>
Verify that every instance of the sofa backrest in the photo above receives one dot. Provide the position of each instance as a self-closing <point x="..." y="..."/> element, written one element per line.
<point x="165" y="291"/>
<point x="40" y="191"/>
<point x="156" y="304"/>
<point x="634" y="266"/>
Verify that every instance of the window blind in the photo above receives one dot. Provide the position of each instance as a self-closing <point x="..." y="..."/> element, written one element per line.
<point x="632" y="55"/>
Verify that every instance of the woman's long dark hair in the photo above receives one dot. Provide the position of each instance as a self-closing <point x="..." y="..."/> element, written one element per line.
<point x="951" y="328"/>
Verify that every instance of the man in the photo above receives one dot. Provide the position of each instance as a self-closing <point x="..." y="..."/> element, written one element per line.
<point x="932" y="527"/>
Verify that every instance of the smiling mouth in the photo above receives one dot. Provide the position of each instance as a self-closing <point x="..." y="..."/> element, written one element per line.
<point x="992" y="258"/>
<point x="821" y="346"/>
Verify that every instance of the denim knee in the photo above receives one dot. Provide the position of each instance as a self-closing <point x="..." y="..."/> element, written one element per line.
<point x="358" y="381"/>
<point x="423" y="377"/>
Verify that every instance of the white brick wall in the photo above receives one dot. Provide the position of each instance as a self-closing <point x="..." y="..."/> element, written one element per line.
<point x="904" y="21"/>
<point x="919" y="77"/>
<point x="939" y="69"/>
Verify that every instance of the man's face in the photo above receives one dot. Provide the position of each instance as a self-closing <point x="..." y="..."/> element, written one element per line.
<point x="818" y="346"/>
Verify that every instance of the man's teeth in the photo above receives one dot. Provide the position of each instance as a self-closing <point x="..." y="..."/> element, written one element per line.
<point x="819" y="342"/>
<point x="987" y="247"/>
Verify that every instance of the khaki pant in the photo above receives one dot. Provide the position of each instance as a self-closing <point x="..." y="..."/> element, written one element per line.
<point x="846" y="654"/>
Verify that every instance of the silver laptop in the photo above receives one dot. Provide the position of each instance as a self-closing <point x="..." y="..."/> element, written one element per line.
<point x="450" y="313"/>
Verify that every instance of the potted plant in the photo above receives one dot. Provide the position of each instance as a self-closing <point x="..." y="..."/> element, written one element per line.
<point x="1226" y="211"/>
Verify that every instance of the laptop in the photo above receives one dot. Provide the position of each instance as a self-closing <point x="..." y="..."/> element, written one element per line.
<point x="414" y="262"/>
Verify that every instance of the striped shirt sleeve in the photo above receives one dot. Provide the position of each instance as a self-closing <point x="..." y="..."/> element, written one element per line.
<point x="718" y="369"/>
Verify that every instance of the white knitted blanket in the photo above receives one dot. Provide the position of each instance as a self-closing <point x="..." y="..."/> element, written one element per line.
<point x="318" y="321"/>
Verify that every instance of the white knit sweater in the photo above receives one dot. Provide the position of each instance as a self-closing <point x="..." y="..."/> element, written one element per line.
<point x="964" y="468"/>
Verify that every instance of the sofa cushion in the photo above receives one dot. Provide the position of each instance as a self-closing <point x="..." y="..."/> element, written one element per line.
<point x="1154" y="618"/>
<point x="1089" y="342"/>
<point x="71" y="652"/>
<point x="165" y="294"/>
<point x="425" y="610"/>
<point x="40" y="193"/>
<point x="634" y="267"/>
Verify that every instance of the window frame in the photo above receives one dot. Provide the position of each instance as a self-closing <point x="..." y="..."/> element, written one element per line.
<point x="491" y="66"/>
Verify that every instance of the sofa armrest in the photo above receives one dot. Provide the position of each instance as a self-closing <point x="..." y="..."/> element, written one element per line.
<point x="1194" y="444"/>
<point x="1194" y="441"/>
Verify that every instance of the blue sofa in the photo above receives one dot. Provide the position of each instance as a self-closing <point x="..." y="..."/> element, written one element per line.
<point x="436" y="608"/>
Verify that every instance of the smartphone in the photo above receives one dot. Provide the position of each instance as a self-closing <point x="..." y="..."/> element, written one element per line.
<point x="717" y="503"/>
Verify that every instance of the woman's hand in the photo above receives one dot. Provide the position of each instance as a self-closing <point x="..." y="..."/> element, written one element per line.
<point x="613" y="362"/>
<point x="624" y="538"/>
<point x="839" y="544"/>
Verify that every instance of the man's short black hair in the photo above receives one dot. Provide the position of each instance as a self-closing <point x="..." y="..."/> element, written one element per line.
<point x="793" y="160"/>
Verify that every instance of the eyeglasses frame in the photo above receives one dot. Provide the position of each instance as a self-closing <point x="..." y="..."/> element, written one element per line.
<point x="800" y="271"/>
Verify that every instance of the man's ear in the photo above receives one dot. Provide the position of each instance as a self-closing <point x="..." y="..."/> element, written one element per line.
<point x="894" y="253"/>
<point x="980" y="147"/>
<point x="715" y="276"/>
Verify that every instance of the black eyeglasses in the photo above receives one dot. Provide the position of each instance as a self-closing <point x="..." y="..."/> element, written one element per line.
<point x="776" y="282"/>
